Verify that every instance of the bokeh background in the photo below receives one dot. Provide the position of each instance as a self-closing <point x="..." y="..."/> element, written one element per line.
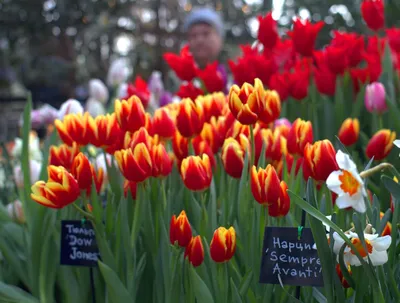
<point x="72" y="41"/>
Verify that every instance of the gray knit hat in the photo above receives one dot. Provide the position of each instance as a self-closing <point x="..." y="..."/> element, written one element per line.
<point x="204" y="15"/>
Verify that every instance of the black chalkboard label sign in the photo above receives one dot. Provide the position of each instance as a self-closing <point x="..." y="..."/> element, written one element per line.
<point x="78" y="244"/>
<point x="294" y="261"/>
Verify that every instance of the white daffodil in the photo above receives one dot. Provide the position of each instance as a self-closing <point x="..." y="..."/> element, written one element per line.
<point x="376" y="249"/>
<point x="347" y="184"/>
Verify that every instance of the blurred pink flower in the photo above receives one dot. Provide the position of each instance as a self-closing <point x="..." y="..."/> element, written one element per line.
<point x="375" y="98"/>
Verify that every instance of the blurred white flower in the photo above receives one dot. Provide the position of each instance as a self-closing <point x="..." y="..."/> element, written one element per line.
<point x="100" y="162"/>
<point x="98" y="90"/>
<point x="122" y="90"/>
<point x="397" y="143"/>
<point x="34" y="148"/>
<point x="376" y="248"/>
<point x="2" y="178"/>
<point x="347" y="184"/>
<point x="35" y="168"/>
<point x="16" y="211"/>
<point x="95" y="107"/>
<point x="155" y="83"/>
<point x="44" y="115"/>
<point x="71" y="106"/>
<point x="118" y="72"/>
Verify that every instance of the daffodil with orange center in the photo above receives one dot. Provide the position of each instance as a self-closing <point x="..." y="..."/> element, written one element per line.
<point x="347" y="184"/>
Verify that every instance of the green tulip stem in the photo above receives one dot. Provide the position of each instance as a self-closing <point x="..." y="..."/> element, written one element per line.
<point x="84" y="213"/>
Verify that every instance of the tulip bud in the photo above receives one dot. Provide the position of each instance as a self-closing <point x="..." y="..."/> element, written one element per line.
<point x="223" y="244"/>
<point x="71" y="106"/>
<point x="164" y="123"/>
<point x="200" y="147"/>
<point x="319" y="160"/>
<point x="300" y="134"/>
<point x="63" y="155"/>
<point x="16" y="211"/>
<point x="162" y="163"/>
<point x="106" y="131"/>
<point x="247" y="102"/>
<point x="180" y="146"/>
<point x="380" y="145"/>
<point x="130" y="114"/>
<point x="190" y="118"/>
<point x="349" y="131"/>
<point x="375" y="98"/>
<point x="271" y="109"/>
<point x="135" y="164"/>
<point x="82" y="171"/>
<point x="196" y="172"/>
<point x="233" y="157"/>
<point x="282" y="205"/>
<point x="373" y="13"/>
<point x="180" y="230"/>
<point x="195" y="251"/>
<point x="387" y="231"/>
<point x="265" y="185"/>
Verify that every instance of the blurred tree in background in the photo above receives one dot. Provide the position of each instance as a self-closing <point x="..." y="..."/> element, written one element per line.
<point x="83" y="36"/>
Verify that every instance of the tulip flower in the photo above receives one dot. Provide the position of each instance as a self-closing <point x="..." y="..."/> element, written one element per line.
<point x="135" y="164"/>
<point x="196" y="172"/>
<point x="281" y="206"/>
<point x="275" y="143"/>
<point x="373" y="13"/>
<point x="223" y="244"/>
<point x="182" y="64"/>
<point x="35" y="168"/>
<point x="195" y="251"/>
<point x="233" y="157"/>
<point x="140" y="136"/>
<point x="299" y="136"/>
<point x="180" y="146"/>
<point x="349" y="131"/>
<point x="106" y="130"/>
<point x="15" y="211"/>
<point x="75" y="128"/>
<point x="304" y="34"/>
<point x="162" y="163"/>
<point x="164" y="123"/>
<point x="140" y="90"/>
<point x="387" y="231"/>
<point x="130" y="114"/>
<point x="212" y="105"/>
<point x="376" y="248"/>
<point x="60" y="190"/>
<point x="265" y="185"/>
<point x="180" y="230"/>
<point x="200" y="147"/>
<point x="268" y="31"/>
<point x="380" y="145"/>
<point x="71" y="106"/>
<point x="213" y="133"/>
<point x="347" y="184"/>
<point x="375" y="98"/>
<point x="247" y="102"/>
<point x="63" y="155"/>
<point x="82" y="171"/>
<point x="345" y="284"/>
<point x="130" y="186"/>
<point x="35" y="152"/>
<point x="283" y="125"/>
<point x="271" y="109"/>
<point x="319" y="160"/>
<point x="190" y="118"/>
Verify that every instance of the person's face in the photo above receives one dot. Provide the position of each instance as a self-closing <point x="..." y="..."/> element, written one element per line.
<point x="205" y="43"/>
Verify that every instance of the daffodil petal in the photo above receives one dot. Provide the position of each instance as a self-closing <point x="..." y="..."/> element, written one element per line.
<point x="344" y="201"/>
<point x="344" y="161"/>
<point x="333" y="182"/>
<point x="378" y="257"/>
<point x="382" y="243"/>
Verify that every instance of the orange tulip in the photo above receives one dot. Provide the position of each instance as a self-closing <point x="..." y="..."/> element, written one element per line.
<point x="380" y="145"/>
<point x="180" y="146"/>
<point x="232" y="156"/>
<point x="319" y="160"/>
<point x="190" y="118"/>
<point x="300" y="134"/>
<point x="349" y="131"/>
<point x="130" y="114"/>
<point x="223" y="244"/>
<point x="344" y="282"/>
<point x="63" y="155"/>
<point x="247" y="102"/>
<point x="271" y="107"/>
<point x="75" y="128"/>
<point x="106" y="131"/>
<point x="162" y="163"/>
<point x="282" y="205"/>
<point x="180" y="230"/>
<point x="265" y="185"/>
<point x="135" y="164"/>
<point x="82" y="171"/>
<point x="212" y="104"/>
<point x="60" y="190"/>
<point x="164" y="123"/>
<point x="130" y="186"/>
<point x="195" y="251"/>
<point x="196" y="172"/>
